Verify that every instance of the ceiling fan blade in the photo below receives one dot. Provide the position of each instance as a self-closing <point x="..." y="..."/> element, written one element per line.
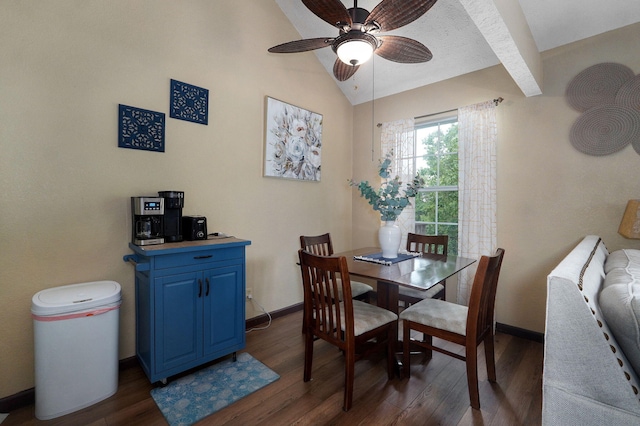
<point x="302" y="45"/>
<point x="343" y="71"/>
<point x="403" y="50"/>
<point x="392" y="14"/>
<point x="331" y="11"/>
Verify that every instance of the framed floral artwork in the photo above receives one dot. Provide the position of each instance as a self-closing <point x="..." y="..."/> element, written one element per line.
<point x="293" y="142"/>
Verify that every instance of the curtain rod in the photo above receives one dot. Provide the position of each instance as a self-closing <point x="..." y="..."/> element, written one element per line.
<point x="496" y="101"/>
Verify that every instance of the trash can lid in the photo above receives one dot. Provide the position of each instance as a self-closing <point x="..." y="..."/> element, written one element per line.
<point x="74" y="297"/>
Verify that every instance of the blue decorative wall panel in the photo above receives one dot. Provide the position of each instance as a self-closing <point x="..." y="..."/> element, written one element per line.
<point x="140" y="129"/>
<point x="188" y="102"/>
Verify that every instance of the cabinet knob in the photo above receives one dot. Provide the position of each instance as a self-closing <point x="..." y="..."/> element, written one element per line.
<point x="208" y="285"/>
<point x="199" y="288"/>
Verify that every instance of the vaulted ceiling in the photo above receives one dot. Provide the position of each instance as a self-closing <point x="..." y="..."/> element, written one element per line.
<point x="469" y="35"/>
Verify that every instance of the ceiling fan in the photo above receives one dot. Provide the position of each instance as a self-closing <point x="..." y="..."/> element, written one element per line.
<point x="358" y="40"/>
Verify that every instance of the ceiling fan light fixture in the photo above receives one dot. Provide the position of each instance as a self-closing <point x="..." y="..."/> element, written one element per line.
<point x="355" y="52"/>
<point x="355" y="48"/>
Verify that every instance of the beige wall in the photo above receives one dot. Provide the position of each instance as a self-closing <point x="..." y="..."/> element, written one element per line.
<point x="549" y="194"/>
<point x="65" y="185"/>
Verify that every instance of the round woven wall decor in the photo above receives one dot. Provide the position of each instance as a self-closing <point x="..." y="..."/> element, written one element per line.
<point x="606" y="129"/>
<point x="597" y="85"/>
<point x="629" y="94"/>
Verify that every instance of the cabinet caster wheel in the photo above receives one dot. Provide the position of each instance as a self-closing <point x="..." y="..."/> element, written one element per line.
<point x="235" y="357"/>
<point x="164" y="382"/>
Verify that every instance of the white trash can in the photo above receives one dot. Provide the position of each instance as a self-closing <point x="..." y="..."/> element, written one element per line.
<point x="76" y="346"/>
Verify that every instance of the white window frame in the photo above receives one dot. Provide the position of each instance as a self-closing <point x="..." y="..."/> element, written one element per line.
<point x="434" y="189"/>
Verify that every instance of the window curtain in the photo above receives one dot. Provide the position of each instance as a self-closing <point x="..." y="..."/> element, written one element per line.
<point x="477" y="146"/>
<point x="398" y="136"/>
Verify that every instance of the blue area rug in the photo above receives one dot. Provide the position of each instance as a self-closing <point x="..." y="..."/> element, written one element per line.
<point x="200" y="394"/>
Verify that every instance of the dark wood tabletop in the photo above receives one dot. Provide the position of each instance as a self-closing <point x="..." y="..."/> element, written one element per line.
<point x="421" y="273"/>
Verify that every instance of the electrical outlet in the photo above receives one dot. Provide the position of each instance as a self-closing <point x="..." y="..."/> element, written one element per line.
<point x="249" y="293"/>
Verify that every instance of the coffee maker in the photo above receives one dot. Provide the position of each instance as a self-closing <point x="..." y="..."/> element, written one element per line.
<point x="173" y="204"/>
<point x="147" y="220"/>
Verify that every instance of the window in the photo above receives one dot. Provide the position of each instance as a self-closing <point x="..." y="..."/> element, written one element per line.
<point x="437" y="162"/>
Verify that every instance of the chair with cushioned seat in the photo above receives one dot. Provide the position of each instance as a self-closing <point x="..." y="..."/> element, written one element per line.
<point x="321" y="245"/>
<point x="355" y="327"/>
<point x="466" y="326"/>
<point x="427" y="244"/>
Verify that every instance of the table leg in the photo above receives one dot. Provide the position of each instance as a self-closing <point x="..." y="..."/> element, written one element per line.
<point x="387" y="295"/>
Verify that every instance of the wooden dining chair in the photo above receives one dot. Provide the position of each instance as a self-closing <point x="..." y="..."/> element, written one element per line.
<point x="321" y="245"/>
<point x="466" y="326"/>
<point x="355" y="327"/>
<point x="427" y="244"/>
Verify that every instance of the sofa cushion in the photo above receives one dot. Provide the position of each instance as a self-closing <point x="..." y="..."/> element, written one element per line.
<point x="623" y="259"/>
<point x="620" y="302"/>
<point x="621" y="276"/>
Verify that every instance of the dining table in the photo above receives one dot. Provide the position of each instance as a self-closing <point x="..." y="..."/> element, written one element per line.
<point x="419" y="272"/>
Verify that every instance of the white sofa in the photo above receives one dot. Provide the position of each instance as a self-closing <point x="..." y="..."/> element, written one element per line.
<point x="592" y="338"/>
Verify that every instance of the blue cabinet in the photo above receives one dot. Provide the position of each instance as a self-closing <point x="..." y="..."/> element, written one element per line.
<point x="190" y="305"/>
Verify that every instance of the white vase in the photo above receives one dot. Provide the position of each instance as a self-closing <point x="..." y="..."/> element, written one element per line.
<point x="389" y="236"/>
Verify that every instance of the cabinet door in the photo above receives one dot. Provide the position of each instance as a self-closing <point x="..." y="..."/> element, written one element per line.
<point x="224" y="310"/>
<point x="178" y="321"/>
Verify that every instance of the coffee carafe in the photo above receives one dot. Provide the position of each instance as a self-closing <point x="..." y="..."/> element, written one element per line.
<point x="143" y="227"/>
<point x="147" y="220"/>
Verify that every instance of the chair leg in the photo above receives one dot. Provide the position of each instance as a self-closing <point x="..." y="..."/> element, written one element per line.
<point x="472" y="375"/>
<point x="428" y="353"/>
<point x="489" y="354"/>
<point x="392" y="338"/>
<point x="349" y="374"/>
<point x="406" y="354"/>
<point x="308" y="355"/>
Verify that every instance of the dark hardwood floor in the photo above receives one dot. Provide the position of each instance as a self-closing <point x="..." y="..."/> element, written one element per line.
<point x="436" y="394"/>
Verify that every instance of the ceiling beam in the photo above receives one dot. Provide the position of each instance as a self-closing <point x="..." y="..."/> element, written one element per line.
<point x="504" y="27"/>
